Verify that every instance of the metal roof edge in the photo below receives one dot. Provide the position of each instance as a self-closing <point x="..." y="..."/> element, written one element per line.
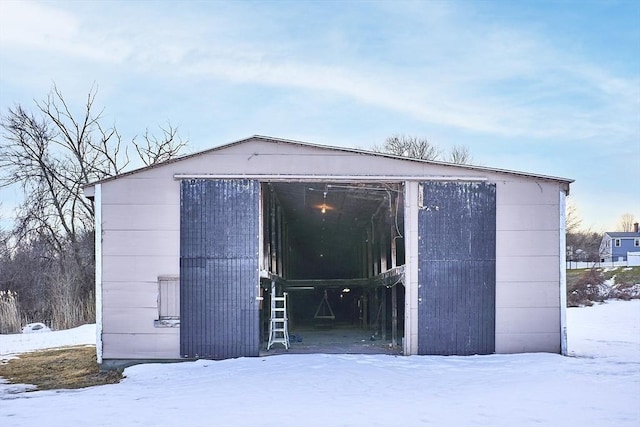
<point x="566" y="181"/>
<point x="167" y="162"/>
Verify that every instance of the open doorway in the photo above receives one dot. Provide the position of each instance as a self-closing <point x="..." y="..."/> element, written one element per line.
<point x="337" y="250"/>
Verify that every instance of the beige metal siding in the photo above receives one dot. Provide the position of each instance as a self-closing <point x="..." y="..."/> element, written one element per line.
<point x="527" y="294"/>
<point x="529" y="243"/>
<point x="140" y="241"/>
<point x="142" y="217"/>
<point x="142" y="346"/>
<point x="138" y="268"/>
<point x="528" y="266"/>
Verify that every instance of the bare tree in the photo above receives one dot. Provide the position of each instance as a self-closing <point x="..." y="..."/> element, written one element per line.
<point x="154" y="150"/>
<point x="420" y="148"/>
<point x="409" y="146"/>
<point x="573" y="220"/>
<point x="626" y="222"/>
<point x="583" y="244"/>
<point x="51" y="153"/>
<point x="460" y="155"/>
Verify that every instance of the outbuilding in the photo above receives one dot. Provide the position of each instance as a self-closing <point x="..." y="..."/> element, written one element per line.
<point x="375" y="253"/>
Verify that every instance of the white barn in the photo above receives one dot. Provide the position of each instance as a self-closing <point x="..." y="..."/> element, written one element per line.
<point x="423" y="257"/>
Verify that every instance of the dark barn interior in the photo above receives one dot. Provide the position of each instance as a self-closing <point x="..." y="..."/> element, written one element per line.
<point x="337" y="251"/>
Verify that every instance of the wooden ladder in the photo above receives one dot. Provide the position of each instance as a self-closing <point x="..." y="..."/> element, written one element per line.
<point x="278" y="323"/>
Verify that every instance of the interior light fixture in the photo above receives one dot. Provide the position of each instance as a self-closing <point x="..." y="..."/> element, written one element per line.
<point x="324" y="203"/>
<point x="324" y="208"/>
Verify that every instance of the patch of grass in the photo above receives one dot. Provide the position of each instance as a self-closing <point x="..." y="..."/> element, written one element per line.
<point x="623" y="274"/>
<point x="69" y="367"/>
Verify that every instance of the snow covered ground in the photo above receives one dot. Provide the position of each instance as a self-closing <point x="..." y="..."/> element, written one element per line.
<point x="600" y="386"/>
<point x="21" y="343"/>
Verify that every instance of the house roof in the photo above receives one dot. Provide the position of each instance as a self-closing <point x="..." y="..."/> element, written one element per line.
<point x="622" y="234"/>
<point x="332" y="148"/>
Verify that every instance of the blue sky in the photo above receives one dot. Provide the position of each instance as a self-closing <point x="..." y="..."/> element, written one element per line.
<point x="549" y="87"/>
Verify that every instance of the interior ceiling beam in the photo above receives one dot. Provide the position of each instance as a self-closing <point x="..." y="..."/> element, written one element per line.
<point x="387" y="278"/>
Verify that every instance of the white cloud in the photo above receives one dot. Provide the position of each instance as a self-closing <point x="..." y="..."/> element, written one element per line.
<point x="26" y="25"/>
<point x="457" y="71"/>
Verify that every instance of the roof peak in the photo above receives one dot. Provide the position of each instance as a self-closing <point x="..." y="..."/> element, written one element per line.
<point x="334" y="148"/>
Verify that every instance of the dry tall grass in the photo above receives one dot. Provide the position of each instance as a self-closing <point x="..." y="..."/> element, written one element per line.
<point x="70" y="367"/>
<point x="70" y="312"/>
<point x="10" y="321"/>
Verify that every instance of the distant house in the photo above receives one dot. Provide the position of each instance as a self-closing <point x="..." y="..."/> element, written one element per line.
<point x="616" y="245"/>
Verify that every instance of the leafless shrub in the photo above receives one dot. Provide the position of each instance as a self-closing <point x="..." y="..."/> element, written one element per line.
<point x="589" y="288"/>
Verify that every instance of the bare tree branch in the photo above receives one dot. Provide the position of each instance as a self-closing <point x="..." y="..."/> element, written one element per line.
<point x="460" y="155"/>
<point x="154" y="150"/>
<point x="420" y="148"/>
<point x="409" y="146"/>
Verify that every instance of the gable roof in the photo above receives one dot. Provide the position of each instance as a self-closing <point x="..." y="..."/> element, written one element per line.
<point x="622" y="234"/>
<point x="565" y="181"/>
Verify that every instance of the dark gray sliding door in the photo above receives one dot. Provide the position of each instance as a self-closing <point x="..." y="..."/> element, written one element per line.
<point x="219" y="268"/>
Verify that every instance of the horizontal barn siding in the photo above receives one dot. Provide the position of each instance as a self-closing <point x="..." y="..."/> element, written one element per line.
<point x="127" y="268"/>
<point x="141" y="346"/>
<point x="528" y="243"/>
<point x="139" y="190"/>
<point x="527" y="192"/>
<point x="130" y="294"/>
<point x="145" y="243"/>
<point x="528" y="269"/>
<point x="120" y="321"/>
<point x="547" y="320"/>
<point x="139" y="217"/>
<point x="527" y="266"/>
<point x="522" y="342"/>
<point x="543" y="217"/>
<point x="528" y="294"/>
<point x="140" y="241"/>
